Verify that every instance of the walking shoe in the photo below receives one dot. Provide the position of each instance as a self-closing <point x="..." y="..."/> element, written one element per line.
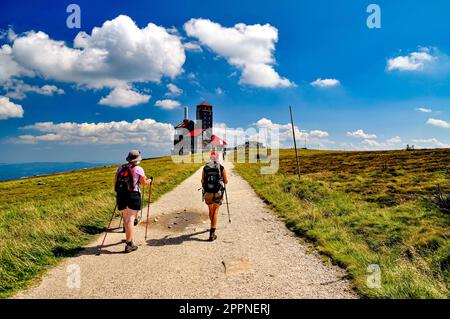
<point x="212" y="234"/>
<point x="123" y="230"/>
<point x="130" y="247"/>
<point x="137" y="220"/>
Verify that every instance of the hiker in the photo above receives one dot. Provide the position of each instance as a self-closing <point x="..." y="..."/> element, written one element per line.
<point x="224" y="154"/>
<point x="214" y="178"/>
<point x="126" y="184"/>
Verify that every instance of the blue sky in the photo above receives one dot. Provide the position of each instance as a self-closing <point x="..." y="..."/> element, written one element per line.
<point x="385" y="87"/>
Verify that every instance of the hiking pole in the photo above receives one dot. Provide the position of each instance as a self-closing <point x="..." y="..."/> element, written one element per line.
<point x="148" y="207"/>
<point x="142" y="201"/>
<point x="228" y="207"/>
<point x="106" y="231"/>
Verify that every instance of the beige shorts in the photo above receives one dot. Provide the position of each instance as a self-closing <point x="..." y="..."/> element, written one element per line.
<point x="213" y="198"/>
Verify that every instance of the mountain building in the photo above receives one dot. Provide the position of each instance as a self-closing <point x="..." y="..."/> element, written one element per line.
<point x="194" y="137"/>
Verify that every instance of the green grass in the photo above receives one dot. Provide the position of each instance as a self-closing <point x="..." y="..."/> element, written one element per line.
<point x="43" y="219"/>
<point x="363" y="208"/>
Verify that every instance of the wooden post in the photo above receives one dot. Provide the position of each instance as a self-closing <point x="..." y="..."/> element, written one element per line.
<point x="295" y="143"/>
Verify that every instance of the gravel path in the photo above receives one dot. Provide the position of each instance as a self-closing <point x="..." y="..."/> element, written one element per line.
<point x="255" y="256"/>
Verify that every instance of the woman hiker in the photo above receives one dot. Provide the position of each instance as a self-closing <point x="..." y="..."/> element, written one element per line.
<point x="214" y="177"/>
<point x="127" y="180"/>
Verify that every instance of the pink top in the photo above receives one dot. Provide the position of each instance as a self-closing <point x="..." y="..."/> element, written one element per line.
<point x="137" y="173"/>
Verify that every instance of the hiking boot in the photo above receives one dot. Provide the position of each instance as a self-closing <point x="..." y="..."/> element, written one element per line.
<point x="137" y="220"/>
<point x="123" y="230"/>
<point x="130" y="247"/>
<point x="212" y="234"/>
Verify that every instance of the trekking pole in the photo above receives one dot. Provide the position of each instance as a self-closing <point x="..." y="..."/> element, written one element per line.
<point x="106" y="231"/>
<point x="120" y="222"/>
<point x="148" y="207"/>
<point x="142" y="200"/>
<point x="228" y="207"/>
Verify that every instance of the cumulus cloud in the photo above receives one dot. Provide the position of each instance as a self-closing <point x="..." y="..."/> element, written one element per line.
<point x="9" y="68"/>
<point x="325" y="83"/>
<point x="430" y="143"/>
<point x="173" y="90"/>
<point x="9" y="109"/>
<point x="389" y="144"/>
<point x="423" y="60"/>
<point x="167" y="104"/>
<point x="247" y="47"/>
<point x="313" y="137"/>
<point x="145" y="132"/>
<point x="124" y="97"/>
<point x="394" y="140"/>
<point x="361" y="134"/>
<point x="219" y="91"/>
<point x="438" y="123"/>
<point x="424" y="110"/>
<point x="116" y="53"/>
<point x="18" y="89"/>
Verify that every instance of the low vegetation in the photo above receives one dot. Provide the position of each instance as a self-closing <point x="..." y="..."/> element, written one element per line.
<point x="388" y="208"/>
<point x="43" y="219"/>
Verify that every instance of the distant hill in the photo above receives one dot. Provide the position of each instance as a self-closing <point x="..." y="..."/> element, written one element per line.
<point x="14" y="171"/>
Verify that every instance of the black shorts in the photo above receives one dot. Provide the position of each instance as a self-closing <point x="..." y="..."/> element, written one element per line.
<point x="131" y="200"/>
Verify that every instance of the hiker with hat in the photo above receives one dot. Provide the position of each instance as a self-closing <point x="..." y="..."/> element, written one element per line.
<point x="127" y="180"/>
<point x="214" y="179"/>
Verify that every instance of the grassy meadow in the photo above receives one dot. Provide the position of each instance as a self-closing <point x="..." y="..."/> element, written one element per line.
<point x="390" y="208"/>
<point x="46" y="218"/>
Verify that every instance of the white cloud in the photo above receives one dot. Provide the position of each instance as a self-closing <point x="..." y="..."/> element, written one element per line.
<point x="430" y="142"/>
<point x="124" y="97"/>
<point x="116" y="53"/>
<point x="318" y="133"/>
<point x="167" y="104"/>
<point x="248" y="47"/>
<point x="313" y="137"/>
<point x="18" y="89"/>
<point x="145" y="132"/>
<point x="361" y="134"/>
<point x="8" y="67"/>
<point x="389" y="144"/>
<point x="9" y="109"/>
<point x="173" y="90"/>
<point x="219" y="91"/>
<point x="193" y="47"/>
<point x="438" y="123"/>
<point x="394" y="140"/>
<point x="325" y="83"/>
<point x="424" y="110"/>
<point x="415" y="61"/>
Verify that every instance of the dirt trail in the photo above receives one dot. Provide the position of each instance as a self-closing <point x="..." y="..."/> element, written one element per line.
<point x="255" y="256"/>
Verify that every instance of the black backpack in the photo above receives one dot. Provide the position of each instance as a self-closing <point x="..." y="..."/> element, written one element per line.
<point x="212" y="182"/>
<point x="124" y="181"/>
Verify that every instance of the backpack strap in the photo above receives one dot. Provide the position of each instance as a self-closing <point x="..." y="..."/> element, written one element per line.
<point x="132" y="174"/>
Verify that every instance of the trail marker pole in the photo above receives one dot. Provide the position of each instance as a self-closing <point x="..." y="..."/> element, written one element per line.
<point x="295" y="143"/>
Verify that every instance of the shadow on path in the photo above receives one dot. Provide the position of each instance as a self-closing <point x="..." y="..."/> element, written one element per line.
<point x="168" y="240"/>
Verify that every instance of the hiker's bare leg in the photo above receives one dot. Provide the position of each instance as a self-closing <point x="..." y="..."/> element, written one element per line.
<point x="215" y="213"/>
<point x="129" y="224"/>
<point x="210" y="207"/>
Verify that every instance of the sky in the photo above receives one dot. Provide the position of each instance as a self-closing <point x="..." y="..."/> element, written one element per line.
<point x="121" y="80"/>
